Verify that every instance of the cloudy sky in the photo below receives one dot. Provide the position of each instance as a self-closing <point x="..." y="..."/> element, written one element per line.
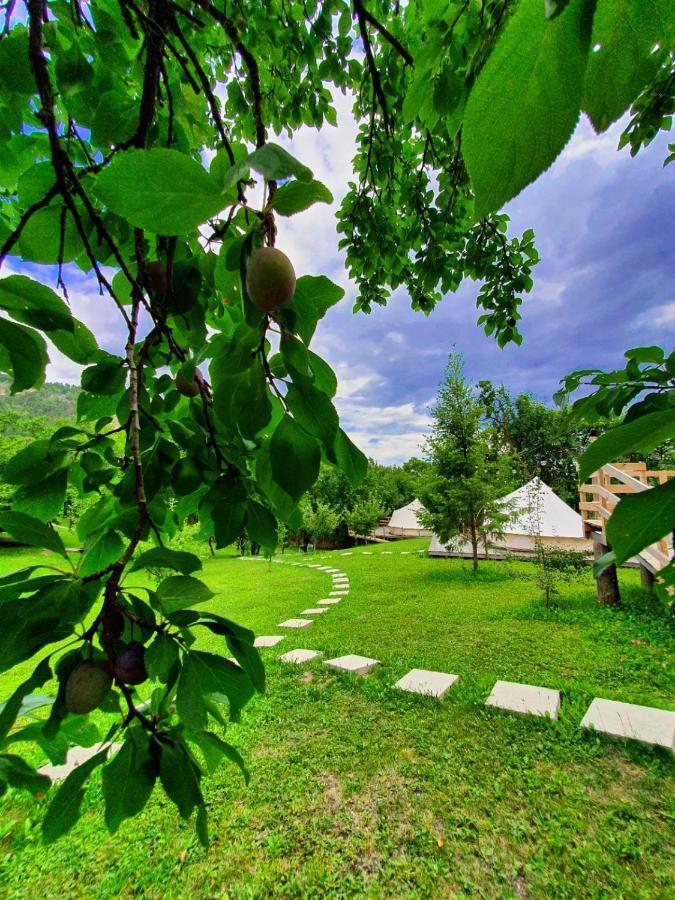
<point x="606" y="282"/>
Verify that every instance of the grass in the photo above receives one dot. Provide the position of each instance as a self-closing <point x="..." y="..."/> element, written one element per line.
<point x="358" y="790"/>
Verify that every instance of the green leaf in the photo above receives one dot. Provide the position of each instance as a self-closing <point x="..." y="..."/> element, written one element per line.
<point x="623" y="60"/>
<point x="214" y="750"/>
<point x="178" y="777"/>
<point x="325" y="379"/>
<point x="189" y="696"/>
<point x="652" y="354"/>
<point x="242" y="401"/>
<point x="235" y="353"/>
<point x="34" y="304"/>
<point x="107" y="377"/>
<point x="525" y="103"/>
<point x="641" y="519"/>
<point x="11" y="709"/>
<point x="128" y="780"/>
<point x="16" y="75"/>
<point x="297" y="196"/>
<point x="165" y="558"/>
<point x="48" y="617"/>
<point x="101" y="552"/>
<point x="160" y="657"/>
<point x="274" y="163"/>
<point x="228" y="522"/>
<point x="64" y="810"/>
<point x="349" y="459"/>
<point x="36" y="457"/>
<point x="114" y="120"/>
<point x="218" y="676"/>
<point x="295" y="458"/>
<point x="28" y="530"/>
<point x="261" y="525"/>
<point x="314" y="411"/>
<point x="14" y="771"/>
<point x="314" y="296"/>
<point x="249" y="659"/>
<point x="45" y="499"/>
<point x="26" y="356"/>
<point x="80" y="345"/>
<point x="554" y="7"/>
<point x="161" y="190"/>
<point x="182" y="592"/>
<point x="40" y="239"/>
<point x="639" y="436"/>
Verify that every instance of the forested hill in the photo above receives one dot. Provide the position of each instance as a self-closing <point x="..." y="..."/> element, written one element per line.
<point x="53" y="401"/>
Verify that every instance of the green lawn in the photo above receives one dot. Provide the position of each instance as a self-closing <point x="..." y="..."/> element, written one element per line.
<point x="359" y="790"/>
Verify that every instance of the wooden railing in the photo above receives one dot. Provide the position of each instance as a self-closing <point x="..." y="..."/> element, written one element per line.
<point x="605" y="488"/>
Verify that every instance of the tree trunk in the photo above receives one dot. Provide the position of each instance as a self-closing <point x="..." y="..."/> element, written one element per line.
<point x="608" y="583"/>
<point x="474" y="547"/>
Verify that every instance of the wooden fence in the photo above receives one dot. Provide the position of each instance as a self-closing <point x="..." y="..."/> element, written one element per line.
<point x="604" y="489"/>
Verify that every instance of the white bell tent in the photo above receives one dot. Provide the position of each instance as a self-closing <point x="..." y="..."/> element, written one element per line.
<point x="535" y="510"/>
<point x="404" y="522"/>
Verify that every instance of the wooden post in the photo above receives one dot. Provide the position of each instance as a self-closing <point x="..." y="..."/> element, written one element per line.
<point x="608" y="583"/>
<point x="647" y="578"/>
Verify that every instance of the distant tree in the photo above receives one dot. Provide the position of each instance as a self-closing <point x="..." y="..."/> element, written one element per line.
<point x="544" y="441"/>
<point x="468" y="474"/>
<point x="320" y="522"/>
<point x="365" y="515"/>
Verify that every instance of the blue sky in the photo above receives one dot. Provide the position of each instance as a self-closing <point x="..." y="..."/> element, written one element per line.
<point x="603" y="223"/>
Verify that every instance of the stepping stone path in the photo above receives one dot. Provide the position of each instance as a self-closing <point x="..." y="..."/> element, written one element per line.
<point x="329" y="601"/>
<point x="357" y="665"/>
<point x="74" y="758"/>
<point x="525" y="698"/>
<point x="313" y="612"/>
<point x="295" y="623"/>
<point x="626" y="720"/>
<point x="268" y="640"/>
<point x="298" y="657"/>
<point x="422" y="681"/>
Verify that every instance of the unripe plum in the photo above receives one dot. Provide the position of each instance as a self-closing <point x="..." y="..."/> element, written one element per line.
<point x="270" y="279"/>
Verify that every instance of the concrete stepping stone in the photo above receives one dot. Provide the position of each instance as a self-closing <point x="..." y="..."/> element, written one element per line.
<point x="366" y="553"/>
<point x="268" y="640"/>
<point x="314" y="611"/>
<point x="525" y="698"/>
<point x="387" y="552"/>
<point x="423" y="681"/>
<point x="298" y="657"/>
<point x="295" y="623"/>
<point x="357" y="665"/>
<point x="340" y="580"/>
<point x="334" y="571"/>
<point x="329" y="601"/>
<point x="338" y="594"/>
<point x="346" y="554"/>
<point x="646" y="724"/>
<point x="74" y="758"/>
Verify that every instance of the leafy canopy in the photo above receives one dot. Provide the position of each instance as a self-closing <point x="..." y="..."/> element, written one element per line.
<point x="135" y="137"/>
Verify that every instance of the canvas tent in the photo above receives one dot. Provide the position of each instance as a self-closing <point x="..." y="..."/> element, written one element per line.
<point x="405" y="523"/>
<point x="534" y="509"/>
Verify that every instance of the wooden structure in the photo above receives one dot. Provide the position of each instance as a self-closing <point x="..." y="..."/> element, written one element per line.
<point x="598" y="499"/>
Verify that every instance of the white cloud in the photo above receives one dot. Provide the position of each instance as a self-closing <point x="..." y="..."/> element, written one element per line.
<point x="586" y="143"/>
<point x="662" y="316"/>
<point x="387" y="448"/>
<point x="395" y="337"/>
